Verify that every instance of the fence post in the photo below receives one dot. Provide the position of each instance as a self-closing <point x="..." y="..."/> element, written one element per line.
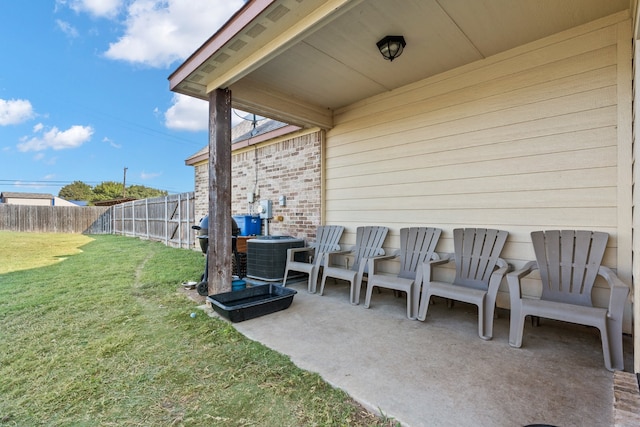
<point x="112" y="217"/>
<point x="188" y="229"/>
<point x="146" y="209"/>
<point x="179" y="221"/>
<point x="166" y="220"/>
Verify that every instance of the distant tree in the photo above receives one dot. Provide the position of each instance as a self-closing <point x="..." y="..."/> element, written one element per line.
<point x="107" y="190"/>
<point x="143" y="192"/>
<point x="77" y="190"/>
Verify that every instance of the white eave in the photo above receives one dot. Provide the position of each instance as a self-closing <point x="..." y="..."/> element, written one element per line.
<point x="300" y="61"/>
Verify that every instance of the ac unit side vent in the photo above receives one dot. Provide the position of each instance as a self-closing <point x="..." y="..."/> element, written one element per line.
<point x="267" y="256"/>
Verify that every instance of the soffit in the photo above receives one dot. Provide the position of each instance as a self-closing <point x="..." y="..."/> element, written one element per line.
<point x="298" y="74"/>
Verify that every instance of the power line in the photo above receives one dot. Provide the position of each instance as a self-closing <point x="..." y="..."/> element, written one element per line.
<point x="30" y="181"/>
<point x="36" y="183"/>
<point x="127" y="124"/>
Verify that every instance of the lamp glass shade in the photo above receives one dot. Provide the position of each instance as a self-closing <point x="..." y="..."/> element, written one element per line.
<point x="391" y="47"/>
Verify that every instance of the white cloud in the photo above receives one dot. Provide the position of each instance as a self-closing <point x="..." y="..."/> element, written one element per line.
<point x="67" y="28"/>
<point x="98" y="8"/>
<point x="56" y="139"/>
<point x="30" y="185"/>
<point x="23" y="184"/>
<point x="187" y="113"/>
<point x="192" y="114"/>
<point x="111" y="142"/>
<point x="145" y="175"/>
<point x="157" y="33"/>
<point x="160" y="32"/>
<point x="15" y="111"/>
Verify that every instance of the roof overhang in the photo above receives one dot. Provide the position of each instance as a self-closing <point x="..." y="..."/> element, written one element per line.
<point x="300" y="61"/>
<point x="203" y="154"/>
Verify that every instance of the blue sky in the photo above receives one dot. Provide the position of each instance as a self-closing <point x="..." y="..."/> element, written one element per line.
<point x="84" y="91"/>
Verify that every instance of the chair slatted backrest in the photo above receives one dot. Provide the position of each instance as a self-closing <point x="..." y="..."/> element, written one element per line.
<point x="327" y="240"/>
<point x="417" y="245"/>
<point x="477" y="251"/>
<point x="369" y="240"/>
<point x="568" y="261"/>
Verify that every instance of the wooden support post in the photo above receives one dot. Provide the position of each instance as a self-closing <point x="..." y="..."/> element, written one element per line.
<point x="219" y="249"/>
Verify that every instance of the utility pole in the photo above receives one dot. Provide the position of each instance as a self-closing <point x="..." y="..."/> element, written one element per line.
<point x="124" y="183"/>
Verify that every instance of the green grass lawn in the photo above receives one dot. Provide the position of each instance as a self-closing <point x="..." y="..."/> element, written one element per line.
<point x="21" y="251"/>
<point x="104" y="338"/>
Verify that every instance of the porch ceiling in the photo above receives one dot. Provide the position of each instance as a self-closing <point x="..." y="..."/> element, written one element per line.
<point x="298" y="61"/>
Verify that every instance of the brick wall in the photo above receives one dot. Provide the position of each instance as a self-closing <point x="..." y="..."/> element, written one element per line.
<point x="201" y="189"/>
<point x="626" y="400"/>
<point x="290" y="168"/>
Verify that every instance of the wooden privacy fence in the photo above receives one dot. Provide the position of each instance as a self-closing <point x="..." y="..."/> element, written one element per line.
<point x="165" y="219"/>
<point x="55" y="219"/>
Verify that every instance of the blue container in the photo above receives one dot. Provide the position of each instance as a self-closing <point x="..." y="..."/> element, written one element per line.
<point x="249" y="225"/>
<point x="238" y="285"/>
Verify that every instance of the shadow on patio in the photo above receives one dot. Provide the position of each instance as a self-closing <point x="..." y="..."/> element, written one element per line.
<point x="439" y="372"/>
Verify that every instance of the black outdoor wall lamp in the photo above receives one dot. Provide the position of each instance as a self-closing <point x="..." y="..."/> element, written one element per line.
<point x="391" y="47"/>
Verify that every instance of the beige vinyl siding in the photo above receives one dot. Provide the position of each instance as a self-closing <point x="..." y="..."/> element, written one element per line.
<point x="525" y="140"/>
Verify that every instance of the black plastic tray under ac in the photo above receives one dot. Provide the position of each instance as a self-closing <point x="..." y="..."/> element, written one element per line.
<point x="252" y="302"/>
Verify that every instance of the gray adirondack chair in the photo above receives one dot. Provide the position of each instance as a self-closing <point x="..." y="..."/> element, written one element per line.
<point x="327" y="241"/>
<point x="417" y="245"/>
<point x="479" y="271"/>
<point x="569" y="262"/>
<point x="369" y="241"/>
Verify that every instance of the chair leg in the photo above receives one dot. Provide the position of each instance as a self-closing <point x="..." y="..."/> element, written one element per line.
<point x="516" y="325"/>
<point x="424" y="306"/>
<point x="606" y="352"/>
<point x="614" y="340"/>
<point x="535" y="321"/>
<point x="367" y="298"/>
<point x="415" y="300"/>
<point x="324" y="279"/>
<point x="355" y="291"/>
<point x="489" y="312"/>
<point x="313" y="280"/>
<point x="410" y="313"/>
<point x="481" y="314"/>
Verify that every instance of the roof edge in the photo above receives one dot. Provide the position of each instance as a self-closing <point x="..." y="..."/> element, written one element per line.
<point x="243" y="17"/>
<point x="203" y="154"/>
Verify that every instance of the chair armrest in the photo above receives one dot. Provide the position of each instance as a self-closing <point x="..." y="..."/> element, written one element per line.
<point x="364" y="263"/>
<point x="420" y="270"/>
<point x="372" y="262"/>
<point x="497" y="275"/>
<point x="619" y="292"/>
<point x="504" y="268"/>
<point x="328" y="256"/>
<point x="427" y="266"/>
<point x="291" y="252"/>
<point x="513" y="279"/>
<point x="442" y="259"/>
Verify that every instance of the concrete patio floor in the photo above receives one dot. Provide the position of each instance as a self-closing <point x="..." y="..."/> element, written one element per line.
<point x="439" y="372"/>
